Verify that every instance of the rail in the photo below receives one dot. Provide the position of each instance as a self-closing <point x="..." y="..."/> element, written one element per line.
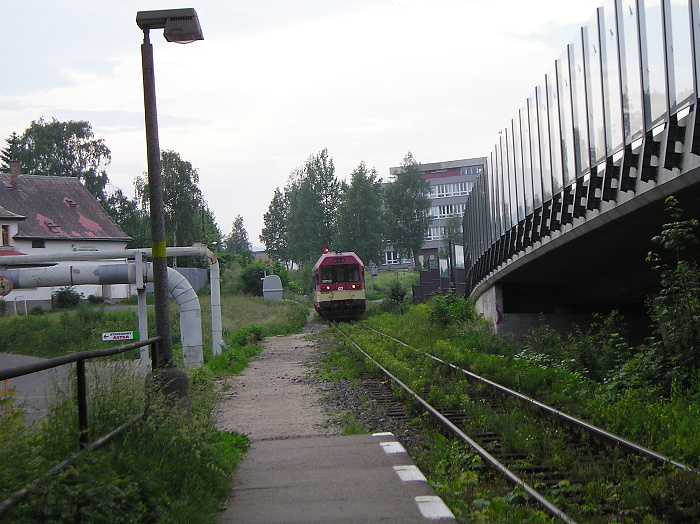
<point x="449" y="426"/>
<point x="449" y="423"/>
<point x="79" y="359"/>
<point x="563" y="417"/>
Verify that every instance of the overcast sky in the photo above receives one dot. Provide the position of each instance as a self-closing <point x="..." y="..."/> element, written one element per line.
<point x="276" y="81"/>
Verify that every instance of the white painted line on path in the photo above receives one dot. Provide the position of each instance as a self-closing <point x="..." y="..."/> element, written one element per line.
<point x="433" y="508"/>
<point x="383" y="434"/>
<point x="392" y="447"/>
<point x="410" y="474"/>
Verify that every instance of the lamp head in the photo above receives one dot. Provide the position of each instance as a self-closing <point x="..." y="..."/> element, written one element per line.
<point x="180" y="25"/>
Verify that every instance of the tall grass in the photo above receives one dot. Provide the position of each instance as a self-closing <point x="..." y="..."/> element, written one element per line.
<point x="66" y="332"/>
<point x="668" y="425"/>
<point x="379" y="287"/>
<point x="172" y="466"/>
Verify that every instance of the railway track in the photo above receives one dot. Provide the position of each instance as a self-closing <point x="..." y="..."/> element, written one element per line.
<point x="559" y="469"/>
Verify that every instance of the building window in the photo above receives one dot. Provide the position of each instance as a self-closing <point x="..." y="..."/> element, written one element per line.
<point x="471" y="170"/>
<point x="435" y="233"/>
<point x="450" y="190"/>
<point x="38" y="244"/>
<point x="391" y="257"/>
<point x="5" y="236"/>
<point x="447" y="210"/>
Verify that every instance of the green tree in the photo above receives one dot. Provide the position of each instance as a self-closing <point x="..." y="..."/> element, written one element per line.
<point x="133" y="220"/>
<point x="313" y="194"/>
<point x="274" y="234"/>
<point x="676" y="309"/>
<point x="453" y="233"/>
<point x="237" y="242"/>
<point x="11" y="152"/>
<point x="360" y="216"/>
<point x="407" y="201"/>
<point x="62" y="149"/>
<point x="188" y="219"/>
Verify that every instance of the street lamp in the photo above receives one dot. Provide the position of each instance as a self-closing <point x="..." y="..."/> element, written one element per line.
<point x="181" y="26"/>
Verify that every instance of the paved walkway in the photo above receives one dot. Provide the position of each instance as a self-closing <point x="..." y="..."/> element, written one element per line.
<point x="301" y="470"/>
<point x="348" y="479"/>
<point x="32" y="391"/>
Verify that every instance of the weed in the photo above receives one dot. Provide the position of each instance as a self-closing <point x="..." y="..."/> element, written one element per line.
<point x="352" y="425"/>
<point x="448" y="308"/>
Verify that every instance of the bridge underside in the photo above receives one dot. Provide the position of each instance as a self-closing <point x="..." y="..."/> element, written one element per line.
<point x="603" y="269"/>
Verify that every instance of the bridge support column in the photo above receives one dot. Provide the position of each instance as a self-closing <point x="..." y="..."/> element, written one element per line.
<point x="490" y="305"/>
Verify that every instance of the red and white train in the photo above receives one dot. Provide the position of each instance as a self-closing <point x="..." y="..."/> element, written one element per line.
<point x="339" y="285"/>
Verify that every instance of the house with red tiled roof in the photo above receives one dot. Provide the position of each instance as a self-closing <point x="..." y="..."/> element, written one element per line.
<point x="54" y="215"/>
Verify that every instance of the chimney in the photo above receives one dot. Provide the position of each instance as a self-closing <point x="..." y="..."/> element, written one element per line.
<point x="15" y="171"/>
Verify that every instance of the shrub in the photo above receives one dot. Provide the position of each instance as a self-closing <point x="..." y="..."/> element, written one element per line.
<point x="596" y="353"/>
<point x="676" y="309"/>
<point x="96" y="299"/>
<point x="449" y="309"/>
<point x="251" y="278"/>
<point x="295" y="287"/>
<point x="303" y="278"/>
<point x="397" y="298"/>
<point x="66" y="297"/>
<point x="247" y="335"/>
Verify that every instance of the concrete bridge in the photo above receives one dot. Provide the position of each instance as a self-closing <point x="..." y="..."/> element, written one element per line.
<point x="561" y="221"/>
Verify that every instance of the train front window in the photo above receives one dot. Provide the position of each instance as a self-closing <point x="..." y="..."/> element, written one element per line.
<point x="340" y="273"/>
<point x="353" y="273"/>
<point x="327" y="274"/>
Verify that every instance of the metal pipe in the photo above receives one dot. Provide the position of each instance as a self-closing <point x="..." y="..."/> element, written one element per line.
<point x="179" y="287"/>
<point x="106" y="275"/>
<point x="197" y="249"/>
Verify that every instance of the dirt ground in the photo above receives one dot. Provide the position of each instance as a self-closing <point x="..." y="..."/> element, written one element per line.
<point x="272" y="398"/>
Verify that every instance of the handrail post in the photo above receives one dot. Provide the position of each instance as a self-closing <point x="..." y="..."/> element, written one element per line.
<point x="154" y="355"/>
<point x="82" y="405"/>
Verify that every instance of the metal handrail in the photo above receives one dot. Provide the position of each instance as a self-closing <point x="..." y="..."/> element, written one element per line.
<point x="80" y="358"/>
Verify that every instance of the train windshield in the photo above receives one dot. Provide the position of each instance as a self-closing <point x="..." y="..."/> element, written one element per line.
<point x="340" y="273"/>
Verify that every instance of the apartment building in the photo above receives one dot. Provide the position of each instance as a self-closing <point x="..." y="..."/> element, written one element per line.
<point x="450" y="183"/>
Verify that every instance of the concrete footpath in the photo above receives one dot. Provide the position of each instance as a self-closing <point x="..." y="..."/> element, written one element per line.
<point x="348" y="479"/>
<point x="299" y="468"/>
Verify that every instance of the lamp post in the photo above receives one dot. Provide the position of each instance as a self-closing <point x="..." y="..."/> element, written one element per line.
<point x="181" y="26"/>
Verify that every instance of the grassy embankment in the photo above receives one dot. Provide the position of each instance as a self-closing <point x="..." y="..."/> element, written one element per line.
<point x="172" y="466"/>
<point x="549" y="368"/>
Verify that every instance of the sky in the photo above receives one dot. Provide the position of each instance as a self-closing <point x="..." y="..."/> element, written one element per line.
<point x="277" y="81"/>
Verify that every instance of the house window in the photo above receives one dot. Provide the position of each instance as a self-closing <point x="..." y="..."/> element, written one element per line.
<point x="392" y="257"/>
<point x="5" y="236"/>
<point x="39" y="244"/>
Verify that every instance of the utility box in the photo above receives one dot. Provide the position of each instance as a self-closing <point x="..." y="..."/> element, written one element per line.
<point x="272" y="288"/>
